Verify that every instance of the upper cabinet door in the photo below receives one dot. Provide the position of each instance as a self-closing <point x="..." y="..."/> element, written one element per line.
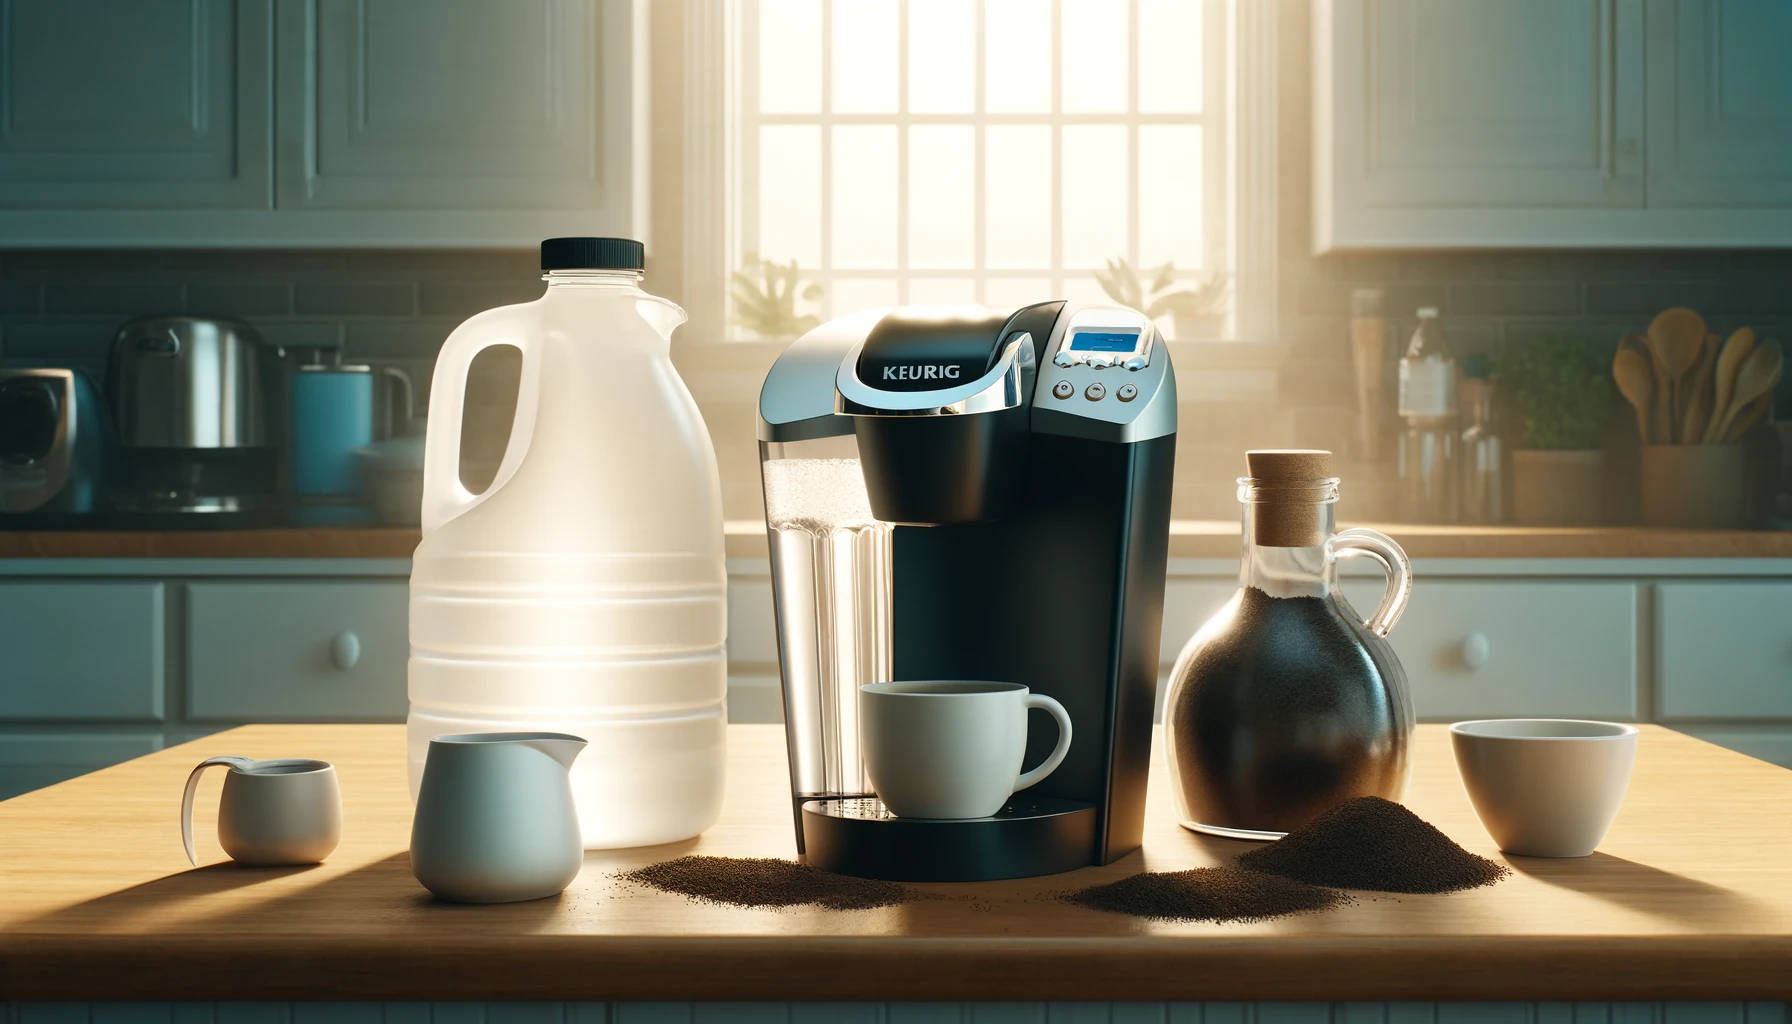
<point x="466" y="105"/>
<point x="1720" y="103"/>
<point x="135" y="104"/>
<point x="1473" y="120"/>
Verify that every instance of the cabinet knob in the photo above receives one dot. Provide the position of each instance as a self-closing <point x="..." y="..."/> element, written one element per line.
<point x="345" y="649"/>
<point x="1475" y="650"/>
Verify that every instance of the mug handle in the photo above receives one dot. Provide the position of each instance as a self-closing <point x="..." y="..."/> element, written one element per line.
<point x="240" y="764"/>
<point x="1056" y="757"/>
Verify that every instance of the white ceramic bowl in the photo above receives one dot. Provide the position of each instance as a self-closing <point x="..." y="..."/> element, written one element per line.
<point x="1545" y="787"/>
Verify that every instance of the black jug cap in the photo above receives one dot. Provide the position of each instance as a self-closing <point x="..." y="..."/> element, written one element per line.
<point x="592" y="254"/>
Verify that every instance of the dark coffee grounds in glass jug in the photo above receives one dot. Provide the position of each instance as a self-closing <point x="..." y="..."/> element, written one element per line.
<point x="767" y="882"/>
<point x="1370" y="843"/>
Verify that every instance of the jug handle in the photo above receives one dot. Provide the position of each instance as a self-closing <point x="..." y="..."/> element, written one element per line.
<point x="240" y="764"/>
<point x="1362" y="542"/>
<point x="444" y="496"/>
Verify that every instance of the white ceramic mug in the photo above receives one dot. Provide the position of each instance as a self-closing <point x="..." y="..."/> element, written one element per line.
<point x="952" y="748"/>
<point x="287" y="810"/>
<point x="1545" y="787"/>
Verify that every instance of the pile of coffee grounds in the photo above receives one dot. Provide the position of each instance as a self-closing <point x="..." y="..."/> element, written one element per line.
<point x="1371" y="843"/>
<point x="767" y="882"/>
<point x="1208" y="894"/>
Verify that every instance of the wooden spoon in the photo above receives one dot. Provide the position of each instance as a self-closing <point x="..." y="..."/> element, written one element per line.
<point x="1735" y="352"/>
<point x="1631" y="370"/>
<point x="1750" y="416"/>
<point x="1759" y="375"/>
<point x="1698" y="392"/>
<point x="1675" y="336"/>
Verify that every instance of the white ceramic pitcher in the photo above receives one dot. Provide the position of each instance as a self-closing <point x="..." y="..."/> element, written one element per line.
<point x="495" y="820"/>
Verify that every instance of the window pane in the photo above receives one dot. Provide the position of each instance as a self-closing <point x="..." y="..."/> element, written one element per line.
<point x="790" y="193"/>
<point x="941" y="196"/>
<point x="942" y="291"/>
<point x="851" y="294"/>
<point x="790" y="56"/>
<point x="1095" y="182"/>
<point x="1094" y="56"/>
<point x="1017" y="47"/>
<point x="1014" y="292"/>
<point x="1084" y="288"/>
<point x="1170" y="56"/>
<point x="865" y="196"/>
<point x="1017" y="196"/>
<point x="864" y="56"/>
<point x="942" y="56"/>
<point x="1170" y="195"/>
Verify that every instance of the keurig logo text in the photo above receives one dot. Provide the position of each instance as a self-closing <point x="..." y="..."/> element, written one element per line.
<point x="920" y="372"/>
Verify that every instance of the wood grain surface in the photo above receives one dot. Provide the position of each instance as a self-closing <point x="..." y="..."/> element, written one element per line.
<point x="1690" y="897"/>
<point x="1189" y="538"/>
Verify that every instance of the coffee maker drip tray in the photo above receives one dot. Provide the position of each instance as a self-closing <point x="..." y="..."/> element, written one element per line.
<point x="1028" y="836"/>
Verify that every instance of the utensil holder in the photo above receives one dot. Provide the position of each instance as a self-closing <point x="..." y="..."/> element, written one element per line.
<point x="1557" y="488"/>
<point x="1695" y="486"/>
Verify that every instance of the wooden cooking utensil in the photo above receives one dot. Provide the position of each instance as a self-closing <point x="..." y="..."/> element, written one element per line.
<point x="1758" y="376"/>
<point x="1675" y="336"/>
<point x="1637" y="382"/>
<point x="1729" y="362"/>
<point x="1750" y="416"/>
<point x="1698" y="392"/>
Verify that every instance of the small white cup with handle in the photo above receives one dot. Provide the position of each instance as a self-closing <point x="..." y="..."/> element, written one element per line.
<point x="1545" y="787"/>
<point x="287" y="810"/>
<point x="950" y="748"/>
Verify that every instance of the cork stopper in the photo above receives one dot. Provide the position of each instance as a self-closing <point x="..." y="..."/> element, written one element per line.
<point x="1294" y="522"/>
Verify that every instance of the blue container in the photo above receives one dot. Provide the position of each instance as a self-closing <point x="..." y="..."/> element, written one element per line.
<point x="332" y="415"/>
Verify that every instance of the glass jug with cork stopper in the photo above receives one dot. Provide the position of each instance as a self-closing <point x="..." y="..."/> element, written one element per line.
<point x="1287" y="702"/>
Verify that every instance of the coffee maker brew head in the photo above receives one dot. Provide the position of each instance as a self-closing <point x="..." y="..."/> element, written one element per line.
<point x="940" y="404"/>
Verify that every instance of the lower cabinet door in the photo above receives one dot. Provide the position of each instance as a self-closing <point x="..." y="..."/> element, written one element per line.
<point x="1475" y="649"/>
<point x="1724" y="650"/>
<point x="297" y="651"/>
<point x="72" y="651"/>
<point x="34" y="760"/>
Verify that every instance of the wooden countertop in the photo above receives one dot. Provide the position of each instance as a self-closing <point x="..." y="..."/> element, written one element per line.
<point x="1189" y="538"/>
<point x="1689" y="898"/>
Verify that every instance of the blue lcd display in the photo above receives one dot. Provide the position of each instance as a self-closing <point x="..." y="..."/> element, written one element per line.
<point x="1104" y="341"/>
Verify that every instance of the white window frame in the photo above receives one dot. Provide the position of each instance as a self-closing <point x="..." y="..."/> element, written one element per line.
<point x="1240" y="97"/>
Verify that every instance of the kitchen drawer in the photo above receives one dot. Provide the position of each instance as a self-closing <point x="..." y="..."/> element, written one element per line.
<point x="1551" y="649"/>
<point x="279" y="652"/>
<point x="1724" y="650"/>
<point x="752" y="623"/>
<point x="81" y="651"/>
<point x="1768" y="743"/>
<point x="32" y="761"/>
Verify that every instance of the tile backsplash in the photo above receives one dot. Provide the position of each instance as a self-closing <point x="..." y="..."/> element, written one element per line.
<point x="394" y="307"/>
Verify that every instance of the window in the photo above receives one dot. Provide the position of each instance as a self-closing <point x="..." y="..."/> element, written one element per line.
<point x="989" y="151"/>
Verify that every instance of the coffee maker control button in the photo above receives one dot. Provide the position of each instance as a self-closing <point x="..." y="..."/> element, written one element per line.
<point x="1064" y="389"/>
<point x="1095" y="392"/>
<point x="1127" y="392"/>
<point x="1063" y="359"/>
<point x="1136" y="363"/>
<point x="1101" y="362"/>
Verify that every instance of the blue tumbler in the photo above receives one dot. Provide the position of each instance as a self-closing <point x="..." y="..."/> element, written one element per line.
<point x="332" y="415"/>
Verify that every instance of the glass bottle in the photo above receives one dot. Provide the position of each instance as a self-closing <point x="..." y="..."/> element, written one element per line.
<point x="1287" y="702"/>
<point x="1428" y="456"/>
<point x="1483" y="450"/>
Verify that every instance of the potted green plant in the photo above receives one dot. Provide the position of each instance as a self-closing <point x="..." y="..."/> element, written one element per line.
<point x="765" y="296"/>
<point x="1562" y="386"/>
<point x="1198" y="308"/>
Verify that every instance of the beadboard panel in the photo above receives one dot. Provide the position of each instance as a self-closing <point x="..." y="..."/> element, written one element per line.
<point x="895" y="1013"/>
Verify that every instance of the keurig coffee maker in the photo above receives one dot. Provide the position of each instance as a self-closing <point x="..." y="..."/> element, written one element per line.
<point x="962" y="493"/>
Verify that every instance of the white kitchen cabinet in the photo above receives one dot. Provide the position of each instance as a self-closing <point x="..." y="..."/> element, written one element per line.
<point x="81" y="651"/>
<point x="321" y="122"/>
<point x="135" y="105"/>
<point x="1562" y="123"/>
<point x="1724" y="650"/>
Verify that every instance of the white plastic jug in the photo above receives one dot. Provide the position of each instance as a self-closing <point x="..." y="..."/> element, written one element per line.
<point x="584" y="591"/>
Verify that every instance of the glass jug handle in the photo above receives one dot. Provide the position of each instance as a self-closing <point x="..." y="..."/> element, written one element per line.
<point x="1358" y="542"/>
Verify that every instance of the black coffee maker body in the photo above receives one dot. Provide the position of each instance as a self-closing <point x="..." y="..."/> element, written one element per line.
<point x="960" y="493"/>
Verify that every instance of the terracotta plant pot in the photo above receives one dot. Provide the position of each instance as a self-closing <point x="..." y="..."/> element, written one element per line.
<point x="1696" y="486"/>
<point x="1557" y="488"/>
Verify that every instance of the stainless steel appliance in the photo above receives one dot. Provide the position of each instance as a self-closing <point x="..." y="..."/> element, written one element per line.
<point x="53" y="442"/>
<point x="971" y="496"/>
<point x="191" y="397"/>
